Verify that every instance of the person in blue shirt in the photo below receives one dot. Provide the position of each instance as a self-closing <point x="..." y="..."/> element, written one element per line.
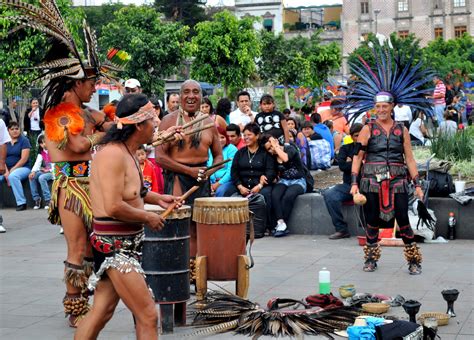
<point x="323" y="131"/>
<point x="221" y="179"/>
<point x="17" y="164"/>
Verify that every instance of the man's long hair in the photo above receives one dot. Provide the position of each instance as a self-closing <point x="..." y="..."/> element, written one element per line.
<point x="128" y="105"/>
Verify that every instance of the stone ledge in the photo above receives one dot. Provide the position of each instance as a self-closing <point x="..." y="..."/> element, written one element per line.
<point x="310" y="217"/>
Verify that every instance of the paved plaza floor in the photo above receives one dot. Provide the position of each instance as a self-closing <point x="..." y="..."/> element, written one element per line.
<point x="31" y="288"/>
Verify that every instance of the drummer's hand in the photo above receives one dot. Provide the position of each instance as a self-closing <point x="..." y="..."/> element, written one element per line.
<point x="165" y="201"/>
<point x="176" y="131"/>
<point x="155" y="221"/>
<point x="354" y="189"/>
<point x="419" y="193"/>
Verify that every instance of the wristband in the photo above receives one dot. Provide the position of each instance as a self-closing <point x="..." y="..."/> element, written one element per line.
<point x="354" y="178"/>
<point x="93" y="139"/>
<point x="416" y="181"/>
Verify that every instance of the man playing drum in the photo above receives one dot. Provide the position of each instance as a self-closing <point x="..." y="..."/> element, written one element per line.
<point x="118" y="196"/>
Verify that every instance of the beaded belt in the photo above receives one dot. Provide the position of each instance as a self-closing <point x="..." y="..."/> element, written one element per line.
<point x="71" y="169"/>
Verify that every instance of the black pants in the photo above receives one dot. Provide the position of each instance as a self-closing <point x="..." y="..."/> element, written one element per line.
<point x="374" y="222"/>
<point x="283" y="199"/>
<point x="266" y="192"/>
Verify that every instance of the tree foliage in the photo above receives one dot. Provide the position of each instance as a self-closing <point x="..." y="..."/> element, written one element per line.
<point x="225" y="50"/>
<point x="26" y="48"/>
<point x="99" y="16"/>
<point x="454" y="56"/>
<point x="157" y="48"/>
<point x="188" y="12"/>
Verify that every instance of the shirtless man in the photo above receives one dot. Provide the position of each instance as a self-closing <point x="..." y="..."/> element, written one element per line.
<point x="71" y="133"/>
<point x="118" y="196"/>
<point x="184" y="161"/>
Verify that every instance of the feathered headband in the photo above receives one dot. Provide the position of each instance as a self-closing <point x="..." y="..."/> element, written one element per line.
<point x="144" y="113"/>
<point x="63" y="60"/>
<point x="392" y="79"/>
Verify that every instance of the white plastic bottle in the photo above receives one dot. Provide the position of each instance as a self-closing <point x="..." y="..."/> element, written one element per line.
<point x="324" y="281"/>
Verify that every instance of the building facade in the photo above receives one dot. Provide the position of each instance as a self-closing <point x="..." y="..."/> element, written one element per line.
<point x="271" y="12"/>
<point x="427" y="19"/>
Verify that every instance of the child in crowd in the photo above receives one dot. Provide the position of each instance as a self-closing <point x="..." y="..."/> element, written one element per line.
<point x="272" y="122"/>
<point x="41" y="172"/>
<point x="149" y="176"/>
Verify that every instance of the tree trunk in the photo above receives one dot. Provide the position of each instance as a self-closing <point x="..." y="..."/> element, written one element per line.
<point x="226" y="87"/>
<point x="287" y="97"/>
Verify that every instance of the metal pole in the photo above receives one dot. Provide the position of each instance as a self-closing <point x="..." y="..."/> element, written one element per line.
<point x="376" y="12"/>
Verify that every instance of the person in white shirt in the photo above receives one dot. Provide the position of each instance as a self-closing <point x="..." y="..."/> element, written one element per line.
<point x="244" y="114"/>
<point x="403" y="114"/>
<point x="33" y="119"/>
<point x="418" y="130"/>
<point x="4" y="139"/>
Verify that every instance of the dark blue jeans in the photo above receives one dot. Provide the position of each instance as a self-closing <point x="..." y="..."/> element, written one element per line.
<point x="333" y="198"/>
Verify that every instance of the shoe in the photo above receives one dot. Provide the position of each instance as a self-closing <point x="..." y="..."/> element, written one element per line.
<point x="37" y="204"/>
<point x="370" y="266"/>
<point x="61" y="230"/>
<point x="414" y="269"/>
<point x="281" y="226"/>
<point x="46" y="205"/>
<point x="280" y="233"/>
<point x="2" y="229"/>
<point x="338" y="235"/>
<point x="21" y="207"/>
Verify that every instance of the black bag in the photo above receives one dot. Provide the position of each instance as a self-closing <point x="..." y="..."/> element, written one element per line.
<point x="441" y="184"/>
<point x="309" y="180"/>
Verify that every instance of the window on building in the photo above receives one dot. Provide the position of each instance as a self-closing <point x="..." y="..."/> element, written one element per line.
<point x="403" y="34"/>
<point x="403" y="6"/>
<point x="364" y="7"/>
<point x="268" y="24"/>
<point x="459" y="31"/>
<point x="459" y="3"/>
<point x="438" y="32"/>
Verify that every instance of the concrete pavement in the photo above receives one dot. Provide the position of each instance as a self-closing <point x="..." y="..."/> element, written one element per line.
<point x="31" y="288"/>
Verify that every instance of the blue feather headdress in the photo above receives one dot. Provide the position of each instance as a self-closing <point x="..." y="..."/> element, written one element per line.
<point x="392" y="75"/>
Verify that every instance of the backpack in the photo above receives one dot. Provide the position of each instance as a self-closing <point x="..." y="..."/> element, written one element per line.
<point x="320" y="152"/>
<point x="441" y="184"/>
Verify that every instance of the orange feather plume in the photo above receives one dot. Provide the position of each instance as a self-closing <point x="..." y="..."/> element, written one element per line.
<point x="61" y="119"/>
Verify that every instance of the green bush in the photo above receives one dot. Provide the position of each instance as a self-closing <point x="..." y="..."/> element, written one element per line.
<point x="458" y="147"/>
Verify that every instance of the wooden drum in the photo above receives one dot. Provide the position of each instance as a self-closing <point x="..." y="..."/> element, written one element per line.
<point x="221" y="234"/>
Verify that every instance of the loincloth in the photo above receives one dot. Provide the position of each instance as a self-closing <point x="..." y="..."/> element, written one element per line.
<point x="117" y="245"/>
<point x="73" y="178"/>
<point x="187" y="182"/>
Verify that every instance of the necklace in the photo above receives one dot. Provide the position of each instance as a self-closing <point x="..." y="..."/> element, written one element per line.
<point x="143" y="189"/>
<point x="253" y="156"/>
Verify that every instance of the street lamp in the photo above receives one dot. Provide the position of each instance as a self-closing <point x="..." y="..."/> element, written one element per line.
<point x="376" y="12"/>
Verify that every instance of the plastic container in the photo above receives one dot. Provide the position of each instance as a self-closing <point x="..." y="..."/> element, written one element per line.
<point x="324" y="281"/>
<point x="460" y="186"/>
<point x="451" y="226"/>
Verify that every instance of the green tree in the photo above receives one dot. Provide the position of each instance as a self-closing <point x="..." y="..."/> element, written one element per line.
<point x="157" y="48"/>
<point x="225" y="50"/>
<point x="99" y="16"/>
<point x="282" y="63"/>
<point x="454" y="56"/>
<point x="188" y="12"/>
<point x="26" y="47"/>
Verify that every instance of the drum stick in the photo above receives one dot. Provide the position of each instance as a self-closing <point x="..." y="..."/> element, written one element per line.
<point x="170" y="137"/>
<point x="180" y="199"/>
<point x="195" y="121"/>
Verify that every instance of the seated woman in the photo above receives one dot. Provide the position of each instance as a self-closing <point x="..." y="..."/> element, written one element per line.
<point x="291" y="183"/>
<point x="418" y="130"/>
<point x="18" y="164"/>
<point x="220" y="180"/>
<point x="207" y="108"/>
<point x="253" y="170"/>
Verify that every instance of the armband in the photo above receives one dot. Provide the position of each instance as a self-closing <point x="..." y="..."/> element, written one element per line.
<point x="93" y="139"/>
<point x="354" y="178"/>
<point x="416" y="181"/>
<point x="100" y="126"/>
<point x="359" y="147"/>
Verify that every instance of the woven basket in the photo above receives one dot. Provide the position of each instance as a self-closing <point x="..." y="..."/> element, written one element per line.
<point x="443" y="318"/>
<point x="375" y="307"/>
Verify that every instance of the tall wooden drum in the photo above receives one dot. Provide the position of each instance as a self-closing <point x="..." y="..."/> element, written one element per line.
<point x="165" y="261"/>
<point x="221" y="234"/>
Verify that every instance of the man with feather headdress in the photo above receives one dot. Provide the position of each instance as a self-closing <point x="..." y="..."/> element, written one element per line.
<point x="72" y="130"/>
<point x="385" y="159"/>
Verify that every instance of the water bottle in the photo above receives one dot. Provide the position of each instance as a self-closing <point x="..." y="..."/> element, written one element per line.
<point x="324" y="281"/>
<point x="451" y="226"/>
